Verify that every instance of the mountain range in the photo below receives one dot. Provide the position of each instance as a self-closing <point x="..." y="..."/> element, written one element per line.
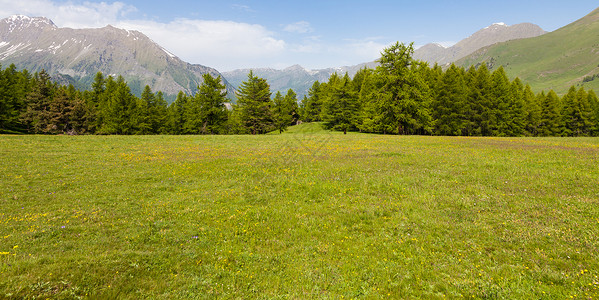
<point x="76" y="55"/>
<point x="295" y="77"/>
<point x="496" y="33"/>
<point x="557" y="60"/>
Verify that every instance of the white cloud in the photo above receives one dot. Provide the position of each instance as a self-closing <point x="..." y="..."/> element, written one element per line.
<point x="299" y="27"/>
<point x="69" y="14"/>
<point x="221" y="44"/>
<point x="367" y="49"/>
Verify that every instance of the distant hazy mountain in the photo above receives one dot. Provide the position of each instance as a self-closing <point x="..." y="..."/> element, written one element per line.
<point x="496" y="33"/>
<point x="78" y="54"/>
<point x="556" y="60"/>
<point x="295" y="77"/>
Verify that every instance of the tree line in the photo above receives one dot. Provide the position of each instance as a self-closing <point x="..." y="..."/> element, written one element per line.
<point x="405" y="96"/>
<point x="400" y="96"/>
<point x="32" y="103"/>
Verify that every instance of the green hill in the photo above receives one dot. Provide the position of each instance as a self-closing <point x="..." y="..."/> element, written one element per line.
<point x="556" y="60"/>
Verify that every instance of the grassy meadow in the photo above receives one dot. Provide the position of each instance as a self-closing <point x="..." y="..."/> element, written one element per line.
<point x="305" y="214"/>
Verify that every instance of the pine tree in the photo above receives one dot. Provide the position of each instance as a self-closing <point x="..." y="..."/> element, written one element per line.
<point x="312" y="105"/>
<point x="586" y="112"/>
<point x="143" y="114"/>
<point x="290" y="101"/>
<point x="451" y="103"/>
<point x="97" y="102"/>
<point x="594" y="104"/>
<point x="121" y="109"/>
<point x="281" y="113"/>
<point x="340" y="105"/>
<point x="498" y="111"/>
<point x="59" y="113"/>
<point x="577" y="113"/>
<point x="515" y="113"/>
<point x="176" y="114"/>
<point x="532" y="109"/>
<point x="213" y="112"/>
<point x="14" y="86"/>
<point x="160" y="113"/>
<point x="38" y="101"/>
<point x="551" y="118"/>
<point x="255" y="105"/>
<point x="404" y="95"/>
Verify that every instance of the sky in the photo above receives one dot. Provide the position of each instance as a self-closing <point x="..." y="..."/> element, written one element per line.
<point x="316" y="34"/>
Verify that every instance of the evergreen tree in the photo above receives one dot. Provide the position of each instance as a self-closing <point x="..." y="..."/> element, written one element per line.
<point x="96" y="102"/>
<point x="177" y="115"/>
<point x="143" y="114"/>
<point x="255" y="105"/>
<point x="577" y="113"/>
<point x="594" y="104"/>
<point x="290" y="101"/>
<point x="38" y="101"/>
<point x="60" y="111"/>
<point x="213" y="112"/>
<point x="532" y="108"/>
<point x="160" y="114"/>
<point x="514" y="114"/>
<point x="281" y="113"/>
<point x="80" y="116"/>
<point x="340" y="105"/>
<point x="481" y="102"/>
<point x="497" y="112"/>
<point x="312" y="105"/>
<point x="120" y="111"/>
<point x="14" y="86"/>
<point x="404" y="95"/>
<point x="451" y="103"/>
<point x="551" y="119"/>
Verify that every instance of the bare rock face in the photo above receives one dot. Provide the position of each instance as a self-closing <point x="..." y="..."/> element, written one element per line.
<point x="36" y="43"/>
<point x="496" y="33"/>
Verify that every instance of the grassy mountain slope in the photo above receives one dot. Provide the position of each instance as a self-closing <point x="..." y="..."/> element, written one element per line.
<point x="556" y="60"/>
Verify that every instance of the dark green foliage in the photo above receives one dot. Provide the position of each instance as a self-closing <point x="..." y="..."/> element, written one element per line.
<point x="551" y="119"/>
<point x="282" y="117"/>
<point x="37" y="114"/>
<point x="14" y="86"/>
<point x="340" y="106"/>
<point x="451" y="104"/>
<point x="312" y="105"/>
<point x="532" y="109"/>
<point x="176" y="114"/>
<point x="402" y="96"/>
<point x="212" y="96"/>
<point x="577" y="113"/>
<point x="255" y="105"/>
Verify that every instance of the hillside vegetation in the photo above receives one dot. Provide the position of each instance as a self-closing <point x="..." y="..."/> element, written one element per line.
<point x="309" y="214"/>
<point x="556" y="60"/>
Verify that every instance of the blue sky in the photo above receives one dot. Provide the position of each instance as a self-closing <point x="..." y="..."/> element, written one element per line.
<point x="233" y="34"/>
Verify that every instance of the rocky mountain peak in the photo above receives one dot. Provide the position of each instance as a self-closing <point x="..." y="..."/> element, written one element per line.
<point x="78" y="54"/>
<point x="495" y="33"/>
<point x="21" y="22"/>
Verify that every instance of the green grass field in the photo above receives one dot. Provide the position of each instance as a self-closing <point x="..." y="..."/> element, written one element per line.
<point x="305" y="214"/>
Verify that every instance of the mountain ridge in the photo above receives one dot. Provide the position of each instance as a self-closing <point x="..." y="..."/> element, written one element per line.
<point x="495" y="33"/>
<point x="36" y="43"/>
<point x="556" y="60"/>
